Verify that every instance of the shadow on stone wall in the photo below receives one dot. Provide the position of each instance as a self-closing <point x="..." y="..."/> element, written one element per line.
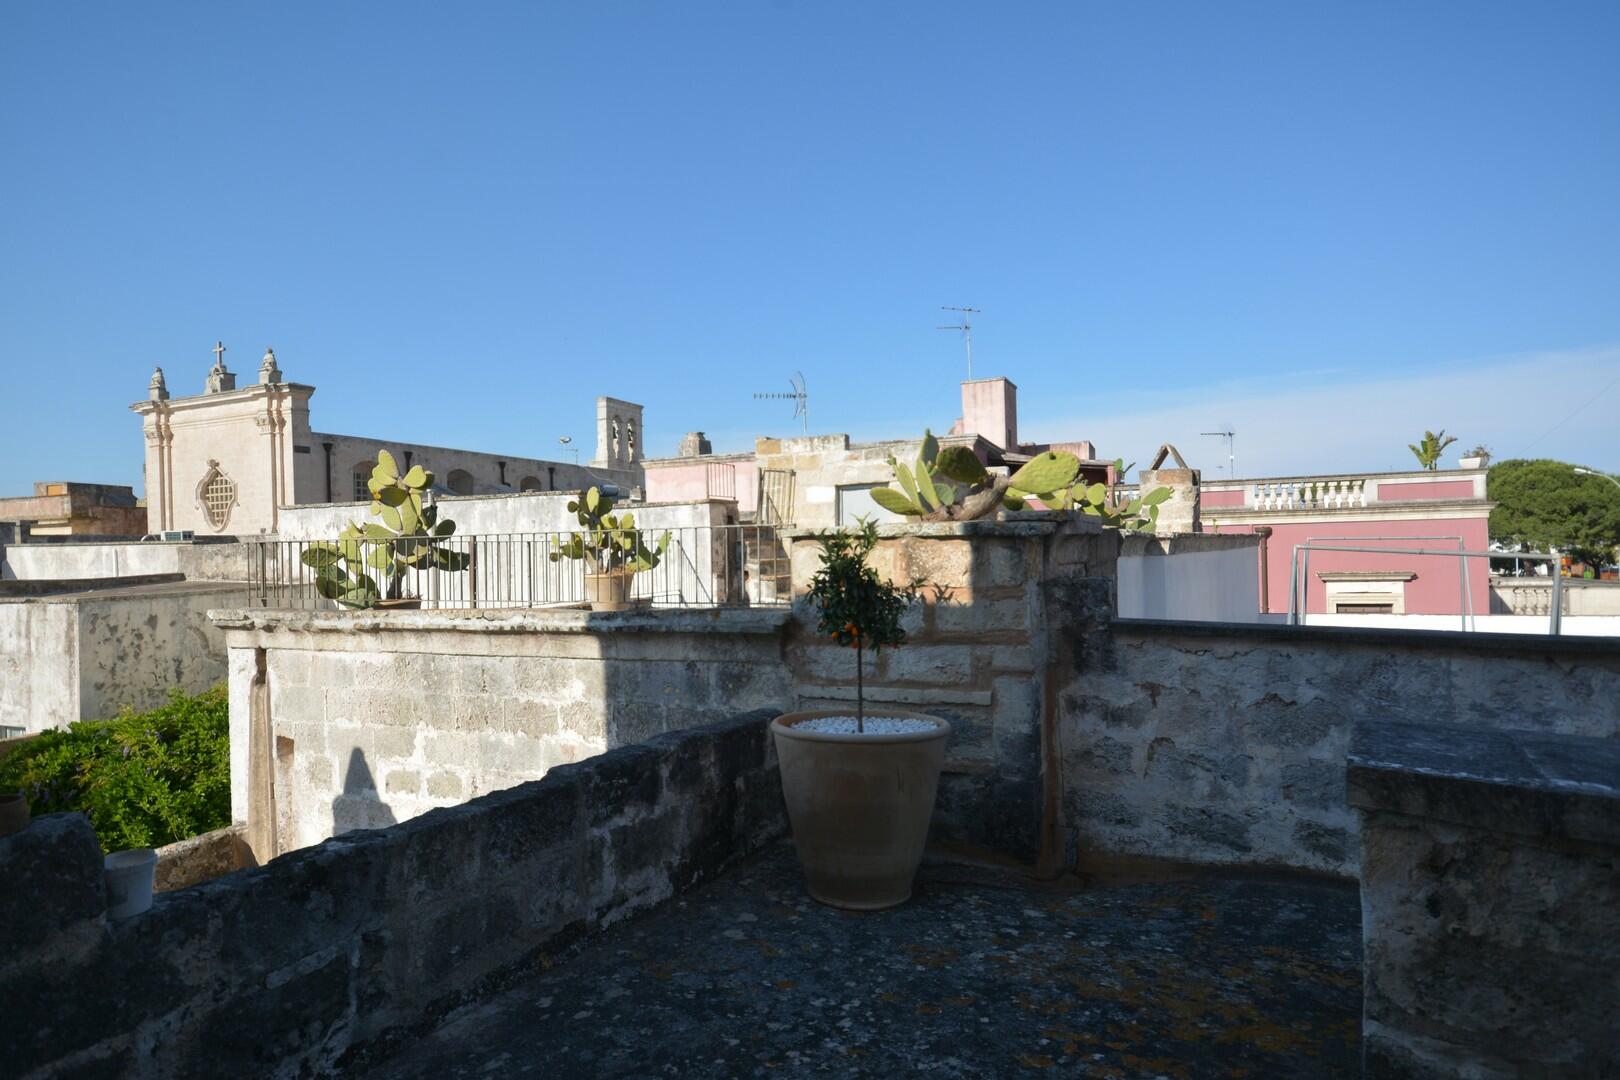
<point x="359" y="806"/>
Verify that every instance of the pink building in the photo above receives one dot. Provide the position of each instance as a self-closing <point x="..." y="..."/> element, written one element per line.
<point x="1431" y="510"/>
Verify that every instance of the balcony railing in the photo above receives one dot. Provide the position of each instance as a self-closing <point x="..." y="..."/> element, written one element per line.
<point x="699" y="567"/>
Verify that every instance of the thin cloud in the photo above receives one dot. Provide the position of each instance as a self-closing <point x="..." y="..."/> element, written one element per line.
<point x="1517" y="405"/>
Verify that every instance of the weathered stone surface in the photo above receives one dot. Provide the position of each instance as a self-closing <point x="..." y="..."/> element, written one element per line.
<point x="52" y="879"/>
<point x="982" y="974"/>
<point x="281" y="969"/>
<point x="1490" y="880"/>
<point x="496" y="699"/>
<point x="1251" y="725"/>
<point x="192" y="861"/>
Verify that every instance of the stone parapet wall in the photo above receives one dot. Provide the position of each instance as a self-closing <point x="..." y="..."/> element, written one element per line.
<point x="376" y="718"/>
<point x="976" y="655"/>
<point x="86" y="655"/>
<point x="291" y="968"/>
<point x="216" y="560"/>
<point x="1226" y="743"/>
<point x="1490" y="886"/>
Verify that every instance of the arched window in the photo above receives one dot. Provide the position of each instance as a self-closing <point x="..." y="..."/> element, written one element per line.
<point x="531" y="483"/>
<point x="459" y="481"/>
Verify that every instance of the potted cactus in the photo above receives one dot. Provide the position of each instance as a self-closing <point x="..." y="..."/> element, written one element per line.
<point x="610" y="547"/>
<point x="859" y="789"/>
<point x="368" y="565"/>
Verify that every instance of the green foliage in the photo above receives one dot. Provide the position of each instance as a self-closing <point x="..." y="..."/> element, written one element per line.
<point x="928" y="488"/>
<point x="1429" y="450"/>
<point x="1104" y="502"/>
<point x="952" y="485"/>
<point x="609" y="542"/>
<point x="1546" y="506"/>
<point x="409" y="538"/>
<point x="856" y="607"/>
<point x="143" y="779"/>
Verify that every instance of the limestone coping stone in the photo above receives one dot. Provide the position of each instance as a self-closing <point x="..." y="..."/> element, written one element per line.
<point x="1021" y="525"/>
<point x="1380" y="637"/>
<point x="1184" y="543"/>
<point x="1521" y="782"/>
<point x="512" y="621"/>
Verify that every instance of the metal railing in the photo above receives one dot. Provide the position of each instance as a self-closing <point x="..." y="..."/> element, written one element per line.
<point x="701" y="566"/>
<point x="1300" y="569"/>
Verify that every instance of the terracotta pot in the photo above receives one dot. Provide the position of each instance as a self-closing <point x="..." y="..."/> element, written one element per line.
<point x="608" y="591"/>
<point x="409" y="603"/>
<point x="13" y="813"/>
<point x="860" y="806"/>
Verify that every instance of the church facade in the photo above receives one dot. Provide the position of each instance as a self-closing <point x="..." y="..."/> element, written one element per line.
<point x="225" y="461"/>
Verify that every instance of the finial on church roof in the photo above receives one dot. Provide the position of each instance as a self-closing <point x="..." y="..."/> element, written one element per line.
<point x="219" y="379"/>
<point x="268" y="371"/>
<point x="158" y="390"/>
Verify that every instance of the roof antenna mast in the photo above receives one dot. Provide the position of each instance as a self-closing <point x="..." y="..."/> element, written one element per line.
<point x="966" y="327"/>
<point x="1231" y="456"/>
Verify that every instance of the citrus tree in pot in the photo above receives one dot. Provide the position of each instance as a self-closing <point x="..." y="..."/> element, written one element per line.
<point x="859" y="788"/>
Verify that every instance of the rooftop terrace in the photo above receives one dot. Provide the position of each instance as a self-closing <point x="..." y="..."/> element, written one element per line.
<point x="987" y="972"/>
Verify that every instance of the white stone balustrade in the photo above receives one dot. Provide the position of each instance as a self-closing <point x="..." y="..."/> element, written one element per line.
<point x="1308" y="493"/>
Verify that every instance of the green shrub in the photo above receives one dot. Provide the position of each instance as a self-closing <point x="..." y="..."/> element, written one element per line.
<point x="143" y="779"/>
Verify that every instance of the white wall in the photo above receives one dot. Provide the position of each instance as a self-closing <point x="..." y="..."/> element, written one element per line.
<point x="1222" y="585"/>
<point x="87" y="655"/>
<point x="69" y="562"/>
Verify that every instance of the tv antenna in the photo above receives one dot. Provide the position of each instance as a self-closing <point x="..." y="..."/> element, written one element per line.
<point x="966" y="327"/>
<point x="1231" y="457"/>
<point x="798" y="395"/>
<point x="565" y="440"/>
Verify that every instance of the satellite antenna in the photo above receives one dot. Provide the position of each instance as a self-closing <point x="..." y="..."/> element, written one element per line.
<point x="966" y="327"/>
<point x="798" y="395"/>
<point x="565" y="440"/>
<point x="1231" y="457"/>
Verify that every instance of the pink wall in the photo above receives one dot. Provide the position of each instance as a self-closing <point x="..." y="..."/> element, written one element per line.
<point x="700" y="480"/>
<point x="1221" y="498"/>
<point x="1442" y="489"/>
<point x="1435" y="591"/>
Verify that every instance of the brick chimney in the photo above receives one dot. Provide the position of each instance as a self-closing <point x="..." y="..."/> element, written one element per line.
<point x="990" y="410"/>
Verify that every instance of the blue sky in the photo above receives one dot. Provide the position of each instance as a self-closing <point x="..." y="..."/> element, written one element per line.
<point x="1329" y="226"/>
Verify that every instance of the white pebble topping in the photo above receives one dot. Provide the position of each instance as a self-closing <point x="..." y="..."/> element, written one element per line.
<point x="875" y="725"/>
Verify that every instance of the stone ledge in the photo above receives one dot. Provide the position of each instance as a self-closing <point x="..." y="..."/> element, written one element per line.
<point x="512" y="621"/>
<point x="1020" y="525"/>
<point x="1140" y="544"/>
<point x="1520" y="782"/>
<point x="1379" y="638"/>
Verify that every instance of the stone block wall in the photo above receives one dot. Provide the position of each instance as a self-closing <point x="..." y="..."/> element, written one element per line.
<point x="1226" y="743"/>
<point x="1490" y="887"/>
<point x="374" y="719"/>
<point x="292" y="968"/>
<point x="976" y="655"/>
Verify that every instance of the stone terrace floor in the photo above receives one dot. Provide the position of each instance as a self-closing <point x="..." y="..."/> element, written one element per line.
<point x="983" y="973"/>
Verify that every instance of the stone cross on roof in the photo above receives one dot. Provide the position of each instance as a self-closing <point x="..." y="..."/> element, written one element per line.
<point x="219" y="380"/>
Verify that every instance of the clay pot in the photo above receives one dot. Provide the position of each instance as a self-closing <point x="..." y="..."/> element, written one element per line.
<point x="860" y="806"/>
<point x="13" y="812"/>
<point x="409" y="603"/>
<point x="608" y="591"/>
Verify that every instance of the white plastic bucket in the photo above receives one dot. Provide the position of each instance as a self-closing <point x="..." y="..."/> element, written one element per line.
<point x="129" y="881"/>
